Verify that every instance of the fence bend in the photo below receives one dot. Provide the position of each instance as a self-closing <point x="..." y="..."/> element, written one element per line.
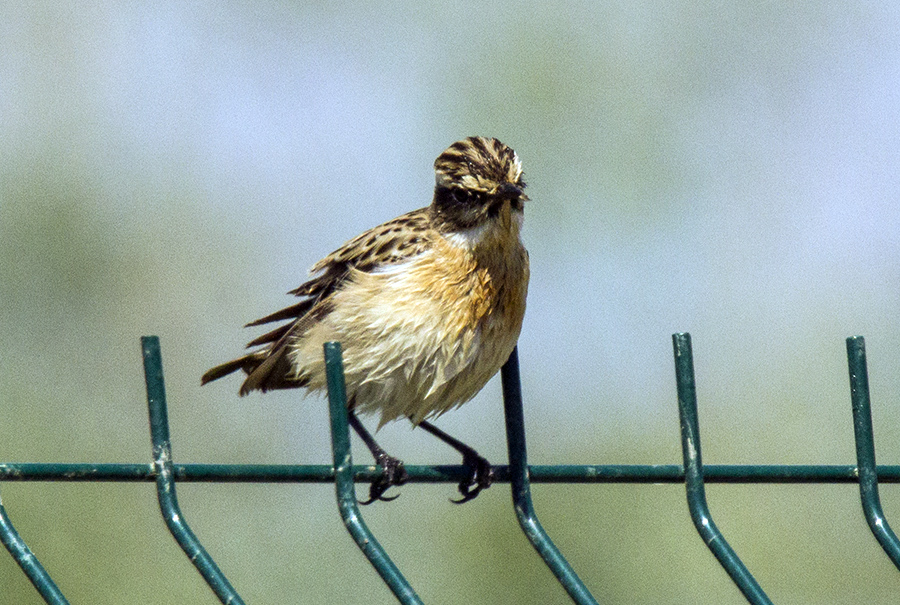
<point x="165" y="473"/>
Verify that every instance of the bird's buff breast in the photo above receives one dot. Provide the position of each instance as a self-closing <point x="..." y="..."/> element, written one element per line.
<point x="424" y="336"/>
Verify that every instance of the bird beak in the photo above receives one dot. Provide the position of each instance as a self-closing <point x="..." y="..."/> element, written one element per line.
<point x="510" y="191"/>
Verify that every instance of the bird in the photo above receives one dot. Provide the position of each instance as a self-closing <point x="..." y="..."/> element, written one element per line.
<point x="427" y="308"/>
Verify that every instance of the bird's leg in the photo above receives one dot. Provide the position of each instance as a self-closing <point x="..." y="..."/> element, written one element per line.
<point x="392" y="471"/>
<point x="480" y="474"/>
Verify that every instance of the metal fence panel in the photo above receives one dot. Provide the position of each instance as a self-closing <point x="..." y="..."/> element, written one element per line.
<point x="693" y="473"/>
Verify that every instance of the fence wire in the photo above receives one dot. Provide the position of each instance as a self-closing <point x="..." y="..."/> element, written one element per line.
<point x="693" y="473"/>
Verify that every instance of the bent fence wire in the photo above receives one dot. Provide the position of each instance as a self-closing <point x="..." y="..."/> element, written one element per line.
<point x="165" y="473"/>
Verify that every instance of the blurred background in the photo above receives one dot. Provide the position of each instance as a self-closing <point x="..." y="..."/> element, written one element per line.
<point x="721" y="169"/>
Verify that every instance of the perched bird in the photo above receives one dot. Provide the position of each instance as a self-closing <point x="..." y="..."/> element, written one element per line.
<point x="427" y="307"/>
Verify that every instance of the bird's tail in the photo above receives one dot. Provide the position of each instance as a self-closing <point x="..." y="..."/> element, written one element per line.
<point x="265" y="369"/>
<point x="247" y="363"/>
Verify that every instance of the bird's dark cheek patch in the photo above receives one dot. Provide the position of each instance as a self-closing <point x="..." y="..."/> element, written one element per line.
<point x="495" y="207"/>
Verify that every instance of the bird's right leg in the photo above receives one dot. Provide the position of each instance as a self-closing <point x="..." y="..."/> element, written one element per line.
<point x="392" y="471"/>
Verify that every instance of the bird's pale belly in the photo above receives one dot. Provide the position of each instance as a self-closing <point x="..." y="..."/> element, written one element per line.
<point x="421" y="337"/>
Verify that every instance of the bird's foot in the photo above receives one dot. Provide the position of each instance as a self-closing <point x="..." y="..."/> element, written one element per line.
<point x="392" y="473"/>
<point x="480" y="475"/>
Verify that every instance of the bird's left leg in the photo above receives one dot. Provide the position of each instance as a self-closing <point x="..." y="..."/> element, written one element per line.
<point x="480" y="474"/>
<point x="392" y="471"/>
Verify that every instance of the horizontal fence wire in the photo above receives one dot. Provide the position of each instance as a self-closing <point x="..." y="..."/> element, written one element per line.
<point x="693" y="473"/>
<point x="537" y="473"/>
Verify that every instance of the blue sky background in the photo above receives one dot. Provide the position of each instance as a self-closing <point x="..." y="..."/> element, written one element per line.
<point x="725" y="170"/>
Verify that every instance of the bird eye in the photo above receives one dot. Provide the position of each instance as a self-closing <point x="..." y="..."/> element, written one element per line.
<point x="461" y="196"/>
<point x="466" y="197"/>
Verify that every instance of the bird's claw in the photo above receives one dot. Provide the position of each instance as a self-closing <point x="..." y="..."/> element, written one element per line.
<point x="392" y="473"/>
<point x="480" y="475"/>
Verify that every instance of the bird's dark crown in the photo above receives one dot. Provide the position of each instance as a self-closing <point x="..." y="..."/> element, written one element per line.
<point x="474" y="177"/>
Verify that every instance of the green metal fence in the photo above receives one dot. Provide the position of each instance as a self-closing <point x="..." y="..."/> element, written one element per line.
<point x="165" y="473"/>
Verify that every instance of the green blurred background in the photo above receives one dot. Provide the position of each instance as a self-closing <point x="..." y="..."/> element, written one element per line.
<point x="719" y="168"/>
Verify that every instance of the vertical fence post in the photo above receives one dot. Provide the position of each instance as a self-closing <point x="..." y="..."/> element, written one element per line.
<point x="521" y="486"/>
<point x="28" y="562"/>
<point x="343" y="481"/>
<point x="693" y="474"/>
<point x="865" y="448"/>
<point x="165" y="482"/>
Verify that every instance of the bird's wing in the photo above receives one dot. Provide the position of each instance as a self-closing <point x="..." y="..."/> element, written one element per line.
<point x="389" y="243"/>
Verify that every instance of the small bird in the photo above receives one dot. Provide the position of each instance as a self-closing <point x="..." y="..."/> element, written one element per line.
<point x="427" y="308"/>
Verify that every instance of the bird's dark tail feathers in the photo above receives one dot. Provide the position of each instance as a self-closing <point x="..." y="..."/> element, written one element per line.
<point x="248" y="363"/>
<point x="265" y="370"/>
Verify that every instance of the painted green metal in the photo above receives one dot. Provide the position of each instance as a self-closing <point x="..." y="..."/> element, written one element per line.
<point x="451" y="473"/>
<point x="693" y="470"/>
<point x="343" y="479"/>
<point x="165" y="483"/>
<point x="865" y="448"/>
<point x="521" y="486"/>
<point x="28" y="562"/>
<point x="693" y="473"/>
